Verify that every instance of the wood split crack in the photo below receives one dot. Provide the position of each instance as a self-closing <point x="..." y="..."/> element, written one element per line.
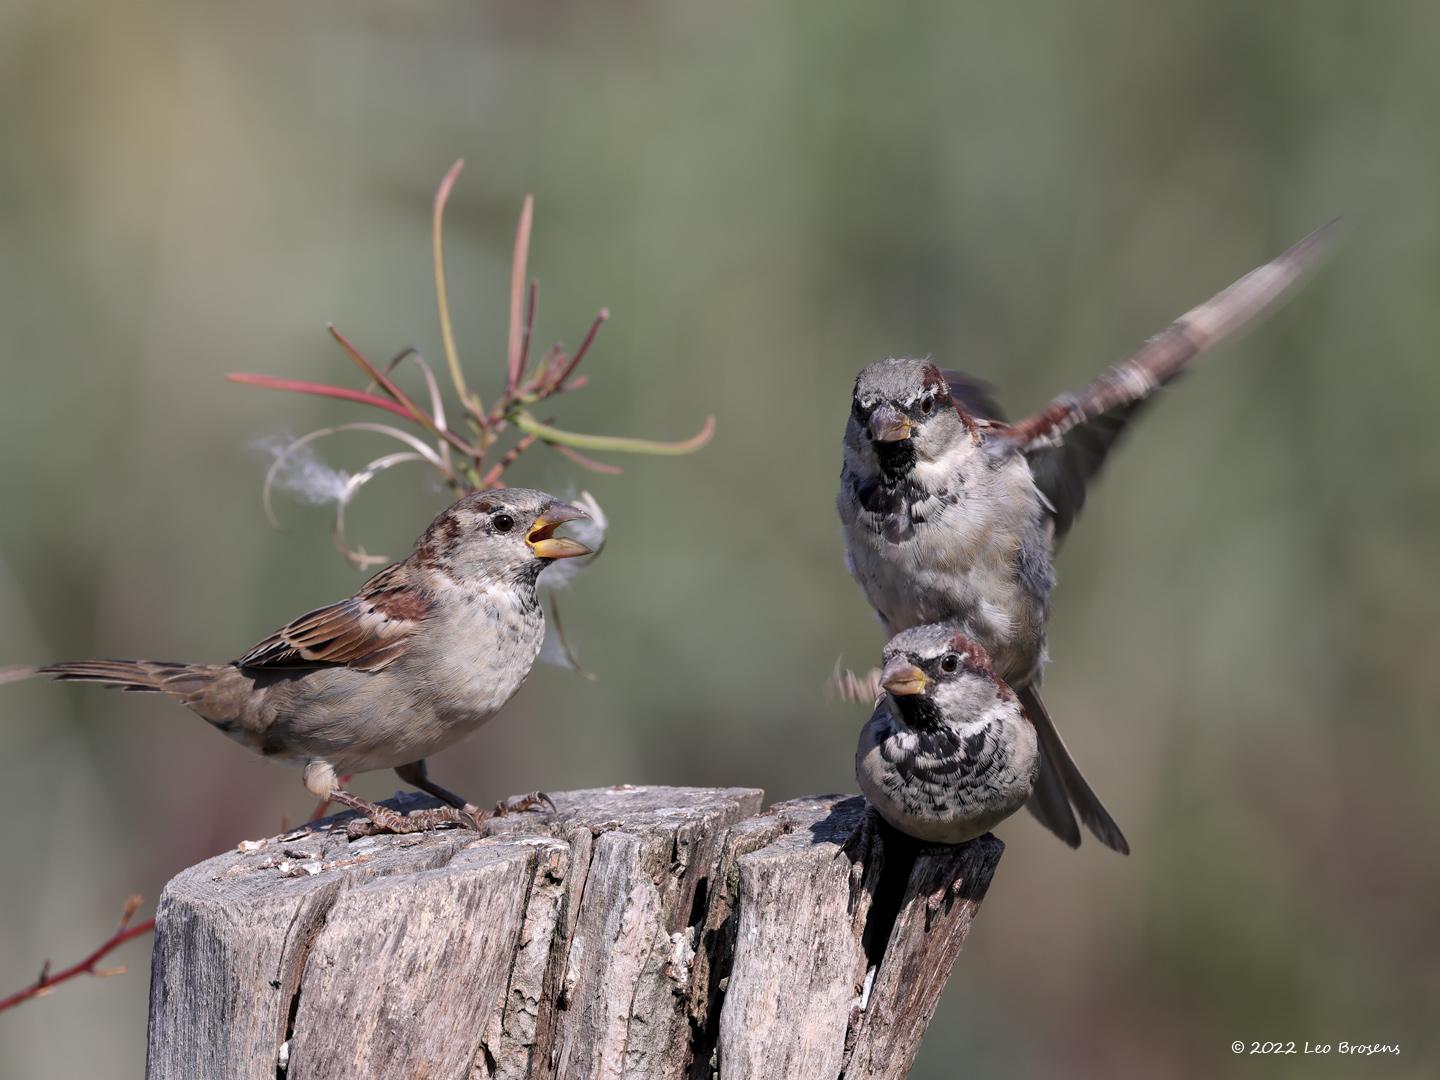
<point x="674" y="933"/>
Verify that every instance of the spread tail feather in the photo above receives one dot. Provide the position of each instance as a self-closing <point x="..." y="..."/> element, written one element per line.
<point x="1065" y="774"/>
<point x="138" y="675"/>
<point x="1051" y="806"/>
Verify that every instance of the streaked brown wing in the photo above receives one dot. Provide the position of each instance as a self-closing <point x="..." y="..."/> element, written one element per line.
<point x="1164" y="356"/>
<point x="1063" y="473"/>
<point x="1068" y="441"/>
<point x="366" y="632"/>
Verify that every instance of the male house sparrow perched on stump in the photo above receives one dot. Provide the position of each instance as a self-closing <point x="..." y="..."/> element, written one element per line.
<point x="948" y="753"/>
<point x="427" y="651"/>
<point x="950" y="514"/>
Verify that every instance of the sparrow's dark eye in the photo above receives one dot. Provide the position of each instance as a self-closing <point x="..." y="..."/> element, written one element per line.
<point x="950" y="663"/>
<point x="927" y="406"/>
<point x="503" y="522"/>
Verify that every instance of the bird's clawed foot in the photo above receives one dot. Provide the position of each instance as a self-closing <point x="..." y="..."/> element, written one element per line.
<point x="937" y="900"/>
<point x="382" y="819"/>
<point x="475" y="818"/>
<point x="859" y="847"/>
<point x="518" y="804"/>
<point x="941" y="899"/>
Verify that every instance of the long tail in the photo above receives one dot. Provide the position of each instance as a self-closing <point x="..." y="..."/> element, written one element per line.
<point x="1050" y="805"/>
<point x="137" y="675"/>
<point x="1061" y="785"/>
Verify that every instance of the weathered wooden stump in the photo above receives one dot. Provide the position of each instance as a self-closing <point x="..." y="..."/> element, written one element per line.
<point x="639" y="932"/>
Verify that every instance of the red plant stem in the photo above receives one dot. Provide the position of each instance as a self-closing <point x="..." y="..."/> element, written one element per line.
<point x="492" y="477"/>
<point x="579" y="354"/>
<point x="585" y="462"/>
<point x="272" y="382"/>
<point x="46" y="981"/>
<point x="529" y="326"/>
<point x="517" y="293"/>
<point x="414" y="411"/>
<point x="575" y="382"/>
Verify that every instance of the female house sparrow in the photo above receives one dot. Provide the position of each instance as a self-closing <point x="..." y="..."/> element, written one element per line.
<point x="951" y="514"/>
<point x="948" y="753"/>
<point x="427" y="651"/>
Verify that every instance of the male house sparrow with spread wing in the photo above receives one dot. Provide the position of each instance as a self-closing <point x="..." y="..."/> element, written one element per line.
<point x="951" y="514"/>
<point x="427" y="651"/>
<point x="948" y="753"/>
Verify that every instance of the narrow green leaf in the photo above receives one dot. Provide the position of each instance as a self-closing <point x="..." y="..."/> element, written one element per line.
<point x="617" y="444"/>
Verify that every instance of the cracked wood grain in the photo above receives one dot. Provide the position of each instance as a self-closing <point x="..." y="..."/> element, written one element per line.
<point x="639" y="932"/>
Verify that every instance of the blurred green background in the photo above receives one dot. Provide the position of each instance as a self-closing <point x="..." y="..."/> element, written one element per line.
<point x="766" y="197"/>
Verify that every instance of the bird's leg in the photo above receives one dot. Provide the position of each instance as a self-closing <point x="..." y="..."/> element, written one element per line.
<point x="321" y="781"/>
<point x="416" y="775"/>
<point x="518" y="804"/>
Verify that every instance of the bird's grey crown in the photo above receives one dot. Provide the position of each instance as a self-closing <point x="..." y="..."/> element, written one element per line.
<point x="901" y="379"/>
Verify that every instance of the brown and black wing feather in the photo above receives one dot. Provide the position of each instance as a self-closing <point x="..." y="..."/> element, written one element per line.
<point x="366" y="632"/>
<point x="1062" y="473"/>
<point x="1067" y="442"/>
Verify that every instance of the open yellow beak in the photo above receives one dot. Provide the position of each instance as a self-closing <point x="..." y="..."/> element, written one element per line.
<point x="542" y="539"/>
<point x="902" y="678"/>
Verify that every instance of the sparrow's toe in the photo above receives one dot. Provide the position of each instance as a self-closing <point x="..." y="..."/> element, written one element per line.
<point x="382" y="819"/>
<point x="518" y="804"/>
<point x="473" y="817"/>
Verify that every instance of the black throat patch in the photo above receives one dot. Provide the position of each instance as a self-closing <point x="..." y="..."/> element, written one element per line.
<point x="920" y="713"/>
<point x="896" y="459"/>
<point x="892" y="489"/>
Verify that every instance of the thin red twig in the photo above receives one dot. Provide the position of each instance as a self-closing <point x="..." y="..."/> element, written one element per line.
<point x="529" y="325"/>
<point x="272" y="382"/>
<point x="48" y="980"/>
<point x="585" y="462"/>
<point x="579" y="354"/>
<point x="401" y="398"/>
<point x="492" y="478"/>
<point x="575" y="382"/>
<point x="514" y="367"/>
